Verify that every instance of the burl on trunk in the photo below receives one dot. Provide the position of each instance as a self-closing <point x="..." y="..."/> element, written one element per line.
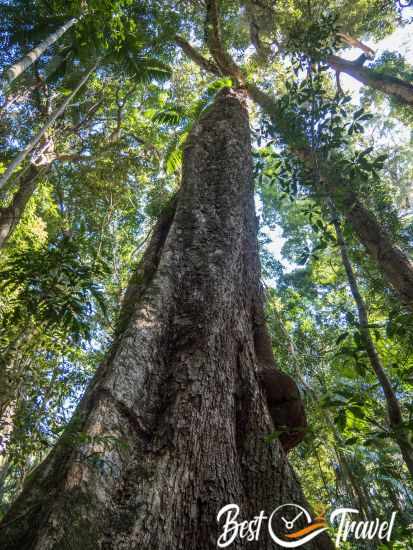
<point x="173" y="425"/>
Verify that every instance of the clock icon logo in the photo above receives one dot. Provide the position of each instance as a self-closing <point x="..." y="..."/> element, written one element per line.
<point x="291" y="526"/>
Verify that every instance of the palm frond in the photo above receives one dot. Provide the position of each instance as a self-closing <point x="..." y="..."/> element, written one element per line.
<point x="147" y="69"/>
<point x="173" y="115"/>
<point x="174" y="153"/>
<point x="173" y="161"/>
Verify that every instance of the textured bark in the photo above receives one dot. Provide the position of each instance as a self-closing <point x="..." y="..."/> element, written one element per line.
<point x="395" y="265"/>
<point x="18" y="68"/>
<point x="392" y="403"/>
<point x="179" y="387"/>
<point x="390" y="85"/>
<point x="11" y="215"/>
<point x="285" y="406"/>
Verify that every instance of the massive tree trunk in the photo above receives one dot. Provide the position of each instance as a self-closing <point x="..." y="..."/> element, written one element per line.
<point x="18" y="68"/>
<point x="390" y="85"/>
<point x="172" y="427"/>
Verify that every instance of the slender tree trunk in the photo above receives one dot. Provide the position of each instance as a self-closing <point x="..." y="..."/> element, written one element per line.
<point x="392" y="403"/>
<point x="179" y="390"/>
<point x="11" y="215"/>
<point x="323" y="478"/>
<point x="4" y="468"/>
<point x="354" y="485"/>
<point x="10" y="377"/>
<point x="48" y="124"/>
<point x="18" y="68"/>
<point x="13" y="365"/>
<point x="6" y="427"/>
<point x="395" y="265"/>
<point x="391" y="260"/>
<point x="390" y="85"/>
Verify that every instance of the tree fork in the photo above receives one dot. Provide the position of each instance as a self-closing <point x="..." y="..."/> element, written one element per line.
<point x="395" y="87"/>
<point x="388" y="84"/>
<point x="15" y="163"/>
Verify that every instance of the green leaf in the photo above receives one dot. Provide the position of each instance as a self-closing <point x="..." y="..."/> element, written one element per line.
<point x="172" y="117"/>
<point x="342" y="337"/>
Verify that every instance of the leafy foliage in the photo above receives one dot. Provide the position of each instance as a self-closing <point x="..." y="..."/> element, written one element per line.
<point x="113" y="159"/>
<point x="52" y="287"/>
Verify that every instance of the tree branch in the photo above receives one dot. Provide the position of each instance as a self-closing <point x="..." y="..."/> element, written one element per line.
<point x="354" y="43"/>
<point x="263" y="50"/>
<point x="216" y="47"/>
<point x="391" y="85"/>
<point x="196" y="57"/>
